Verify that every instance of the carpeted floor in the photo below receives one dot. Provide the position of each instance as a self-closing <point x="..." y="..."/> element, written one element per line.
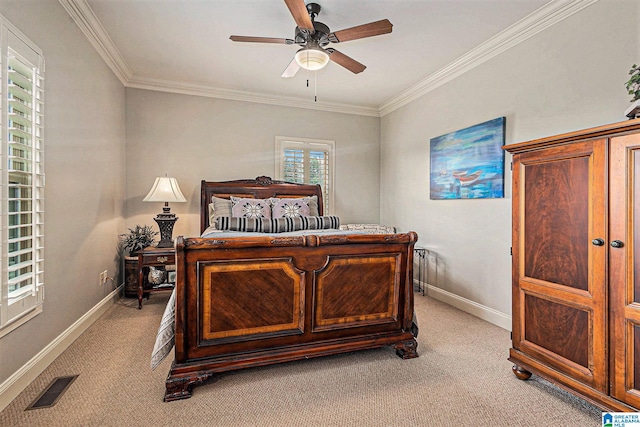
<point x="462" y="378"/>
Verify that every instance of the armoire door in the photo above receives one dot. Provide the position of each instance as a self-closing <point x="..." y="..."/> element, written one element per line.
<point x="624" y="263"/>
<point x="559" y="255"/>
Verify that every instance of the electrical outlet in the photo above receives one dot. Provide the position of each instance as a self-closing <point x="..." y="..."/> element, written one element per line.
<point x="103" y="278"/>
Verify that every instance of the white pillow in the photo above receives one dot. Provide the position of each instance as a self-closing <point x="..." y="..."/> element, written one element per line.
<point x="217" y="208"/>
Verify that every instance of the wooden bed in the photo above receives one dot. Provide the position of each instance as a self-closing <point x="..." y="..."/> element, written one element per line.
<point x="251" y="301"/>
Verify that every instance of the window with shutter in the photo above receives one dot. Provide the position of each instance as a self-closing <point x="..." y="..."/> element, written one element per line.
<point x="307" y="161"/>
<point x="21" y="178"/>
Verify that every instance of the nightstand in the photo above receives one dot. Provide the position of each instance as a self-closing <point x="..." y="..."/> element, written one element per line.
<point x="165" y="258"/>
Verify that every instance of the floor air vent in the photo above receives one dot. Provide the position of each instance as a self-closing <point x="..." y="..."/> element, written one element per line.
<point x="52" y="393"/>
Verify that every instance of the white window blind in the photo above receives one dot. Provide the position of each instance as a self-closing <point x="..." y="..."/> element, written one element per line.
<point x="307" y="161"/>
<point x="21" y="178"/>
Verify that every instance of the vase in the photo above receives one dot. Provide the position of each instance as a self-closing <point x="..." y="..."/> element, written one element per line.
<point x="633" y="111"/>
<point x="156" y="276"/>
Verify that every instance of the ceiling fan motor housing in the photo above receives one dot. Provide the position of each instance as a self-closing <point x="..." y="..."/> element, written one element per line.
<point x="320" y="35"/>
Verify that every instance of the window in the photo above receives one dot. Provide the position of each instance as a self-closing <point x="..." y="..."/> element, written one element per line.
<point x="307" y="161"/>
<point x="21" y="178"/>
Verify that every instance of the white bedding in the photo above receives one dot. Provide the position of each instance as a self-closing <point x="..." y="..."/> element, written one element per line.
<point x="165" y="338"/>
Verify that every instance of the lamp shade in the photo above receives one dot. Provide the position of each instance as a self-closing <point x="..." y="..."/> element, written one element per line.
<point x="165" y="189"/>
<point x="312" y="59"/>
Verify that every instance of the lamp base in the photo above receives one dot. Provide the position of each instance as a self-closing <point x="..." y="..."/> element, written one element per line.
<point x="165" y="224"/>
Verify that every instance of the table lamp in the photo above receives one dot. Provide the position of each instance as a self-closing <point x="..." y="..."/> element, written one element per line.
<point x="165" y="189"/>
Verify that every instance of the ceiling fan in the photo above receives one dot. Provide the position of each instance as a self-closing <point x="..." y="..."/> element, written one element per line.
<point x="314" y="36"/>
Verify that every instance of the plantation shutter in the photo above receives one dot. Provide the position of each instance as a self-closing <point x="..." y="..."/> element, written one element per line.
<point x="22" y="177"/>
<point x="307" y="162"/>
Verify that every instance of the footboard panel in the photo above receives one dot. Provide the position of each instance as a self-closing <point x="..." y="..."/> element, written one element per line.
<point x="256" y="301"/>
<point x="250" y="299"/>
<point x="354" y="291"/>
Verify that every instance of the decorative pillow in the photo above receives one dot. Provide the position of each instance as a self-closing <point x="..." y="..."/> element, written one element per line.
<point x="218" y="207"/>
<point x="250" y="208"/>
<point x="289" y="208"/>
<point x="313" y="206"/>
<point x="277" y="225"/>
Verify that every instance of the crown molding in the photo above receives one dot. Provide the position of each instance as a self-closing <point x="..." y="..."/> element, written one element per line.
<point x="532" y="24"/>
<point x="81" y="13"/>
<point x="89" y="24"/>
<point x="237" y="95"/>
<point x="541" y="19"/>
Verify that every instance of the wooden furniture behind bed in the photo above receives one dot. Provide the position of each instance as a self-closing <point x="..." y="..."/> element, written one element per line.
<point x="252" y="301"/>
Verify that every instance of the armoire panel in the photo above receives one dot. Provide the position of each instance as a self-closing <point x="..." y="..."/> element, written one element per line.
<point x="636" y="356"/>
<point x="635" y="218"/>
<point x="559" y="328"/>
<point x="556" y="226"/>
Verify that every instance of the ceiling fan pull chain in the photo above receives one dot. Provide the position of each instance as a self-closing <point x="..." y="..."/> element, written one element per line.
<point x="315" y="86"/>
<point x="307" y="69"/>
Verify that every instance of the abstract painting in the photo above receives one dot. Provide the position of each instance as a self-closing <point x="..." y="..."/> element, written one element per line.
<point x="469" y="163"/>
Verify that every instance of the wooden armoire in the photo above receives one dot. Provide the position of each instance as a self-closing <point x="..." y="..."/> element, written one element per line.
<point x="576" y="276"/>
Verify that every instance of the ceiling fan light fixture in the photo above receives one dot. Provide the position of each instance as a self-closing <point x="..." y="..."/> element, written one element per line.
<point x="312" y="59"/>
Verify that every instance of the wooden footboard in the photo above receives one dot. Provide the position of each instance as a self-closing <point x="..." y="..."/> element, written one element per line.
<point x="247" y="302"/>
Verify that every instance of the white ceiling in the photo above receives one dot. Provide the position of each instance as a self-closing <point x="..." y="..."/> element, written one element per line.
<point x="184" y="46"/>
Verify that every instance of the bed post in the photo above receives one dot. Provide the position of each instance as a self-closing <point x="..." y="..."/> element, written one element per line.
<point x="407" y="349"/>
<point x="180" y="299"/>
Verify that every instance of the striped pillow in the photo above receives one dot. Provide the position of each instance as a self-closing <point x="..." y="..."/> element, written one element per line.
<point x="277" y="225"/>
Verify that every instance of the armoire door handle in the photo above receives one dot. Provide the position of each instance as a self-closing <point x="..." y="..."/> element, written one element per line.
<point x="598" y="242"/>
<point x="616" y="244"/>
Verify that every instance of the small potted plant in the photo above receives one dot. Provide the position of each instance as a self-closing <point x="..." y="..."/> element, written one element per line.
<point x="138" y="238"/>
<point x="633" y="88"/>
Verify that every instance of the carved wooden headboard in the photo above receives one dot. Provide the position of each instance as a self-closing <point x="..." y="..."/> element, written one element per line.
<point x="262" y="187"/>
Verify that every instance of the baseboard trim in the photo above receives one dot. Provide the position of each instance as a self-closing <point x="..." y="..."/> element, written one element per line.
<point x="483" y="312"/>
<point x="16" y="383"/>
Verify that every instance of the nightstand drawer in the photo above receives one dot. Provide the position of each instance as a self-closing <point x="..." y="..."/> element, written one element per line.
<point x="158" y="259"/>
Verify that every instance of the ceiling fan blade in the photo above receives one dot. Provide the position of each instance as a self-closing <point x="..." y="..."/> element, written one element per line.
<point x="252" y="39"/>
<point x="361" y="31"/>
<point x="347" y="62"/>
<point x="299" y="12"/>
<point x="291" y="69"/>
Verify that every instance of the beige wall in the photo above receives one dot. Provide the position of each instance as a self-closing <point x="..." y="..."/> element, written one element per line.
<point x="569" y="77"/>
<point x="84" y="166"/>
<point x="194" y="138"/>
